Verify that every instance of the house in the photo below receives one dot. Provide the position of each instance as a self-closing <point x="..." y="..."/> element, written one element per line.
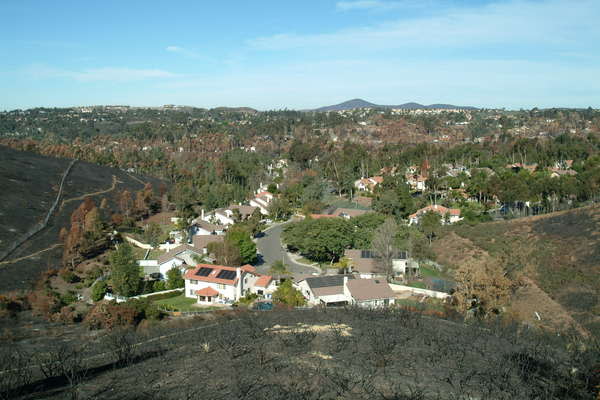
<point x="449" y="215"/>
<point x="555" y="172"/>
<point x="368" y="293"/>
<point x="368" y="184"/>
<point x="262" y="201"/>
<point x="416" y="181"/>
<point x="227" y="216"/>
<point x="263" y="285"/>
<point x="201" y="227"/>
<point x="335" y="290"/>
<point x="348" y="213"/>
<point x="364" y="263"/>
<point x="325" y="290"/>
<point x="516" y="167"/>
<point x="217" y="284"/>
<point x="201" y="242"/>
<point x="180" y="257"/>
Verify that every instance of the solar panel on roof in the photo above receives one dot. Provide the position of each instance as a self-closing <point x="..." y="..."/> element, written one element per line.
<point x="204" y="271"/>
<point x="226" y="274"/>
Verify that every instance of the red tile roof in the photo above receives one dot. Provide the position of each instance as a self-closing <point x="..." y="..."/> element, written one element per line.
<point x="191" y="274"/>
<point x="263" y="281"/>
<point x="207" y="291"/>
<point x="318" y="216"/>
<point x="248" y="268"/>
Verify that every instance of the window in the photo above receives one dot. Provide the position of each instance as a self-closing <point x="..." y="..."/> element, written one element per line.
<point x="221" y="286"/>
<point x="193" y="282"/>
<point x="191" y="292"/>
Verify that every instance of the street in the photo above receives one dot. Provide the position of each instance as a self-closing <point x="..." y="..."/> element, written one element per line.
<point x="271" y="249"/>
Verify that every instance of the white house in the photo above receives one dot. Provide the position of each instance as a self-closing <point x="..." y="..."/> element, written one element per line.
<point x="217" y="284"/>
<point x="226" y="216"/>
<point x="200" y="227"/>
<point x="368" y="293"/>
<point x="181" y="257"/>
<point x="262" y="285"/>
<point x="262" y="201"/>
<point x="416" y="181"/>
<point x="368" y="184"/>
<point x="324" y="290"/>
<point x="333" y="290"/>
<point x="364" y="263"/>
<point x="449" y="215"/>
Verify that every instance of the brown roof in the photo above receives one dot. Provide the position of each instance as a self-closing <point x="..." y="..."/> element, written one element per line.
<point x="369" y="289"/>
<point x="359" y="264"/>
<point x="177" y="250"/>
<point x="328" y="291"/>
<point x="208" y="226"/>
<point x="202" y="241"/>
<point x="244" y="210"/>
<point x="162" y="218"/>
<point x="319" y="216"/>
<point x="351" y="212"/>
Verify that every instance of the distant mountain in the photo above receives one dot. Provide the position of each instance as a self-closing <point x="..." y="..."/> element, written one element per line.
<point x="360" y="103"/>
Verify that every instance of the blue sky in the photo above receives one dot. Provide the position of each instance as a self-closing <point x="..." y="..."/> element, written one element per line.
<point x="272" y="54"/>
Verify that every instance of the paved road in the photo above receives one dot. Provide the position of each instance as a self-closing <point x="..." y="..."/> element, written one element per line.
<point x="271" y="249"/>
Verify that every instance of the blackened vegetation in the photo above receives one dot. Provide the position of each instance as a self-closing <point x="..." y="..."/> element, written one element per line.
<point x="327" y="354"/>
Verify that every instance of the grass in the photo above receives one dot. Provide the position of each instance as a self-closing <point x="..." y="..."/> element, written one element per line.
<point x="429" y="304"/>
<point x="140" y="253"/>
<point x="430" y="272"/>
<point x="179" y="303"/>
<point x="419" y="285"/>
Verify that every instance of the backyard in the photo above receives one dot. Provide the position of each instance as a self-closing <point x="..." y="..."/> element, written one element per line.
<point x="182" y="303"/>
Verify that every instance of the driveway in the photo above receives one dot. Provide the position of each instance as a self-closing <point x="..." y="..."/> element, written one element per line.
<point x="271" y="249"/>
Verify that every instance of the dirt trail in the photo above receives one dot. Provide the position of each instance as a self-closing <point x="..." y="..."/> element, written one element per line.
<point x="83" y="196"/>
<point x="31" y="255"/>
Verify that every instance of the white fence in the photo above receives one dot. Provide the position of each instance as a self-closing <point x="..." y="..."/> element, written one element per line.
<point x="122" y="299"/>
<point x="146" y="246"/>
<point x="426" y="292"/>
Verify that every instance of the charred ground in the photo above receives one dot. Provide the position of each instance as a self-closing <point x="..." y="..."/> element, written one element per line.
<point x="28" y="186"/>
<point x="310" y="354"/>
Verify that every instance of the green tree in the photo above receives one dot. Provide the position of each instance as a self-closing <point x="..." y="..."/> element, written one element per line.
<point x="174" y="278"/>
<point x="430" y="224"/>
<point x="278" y="268"/>
<point x="280" y="209"/>
<point x="240" y="237"/>
<point x="320" y="239"/>
<point x="99" y="290"/>
<point x="289" y="295"/>
<point x="153" y="234"/>
<point x="125" y="273"/>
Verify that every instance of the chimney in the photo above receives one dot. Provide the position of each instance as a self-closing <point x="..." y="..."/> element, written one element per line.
<point x="345" y="281"/>
<point x="238" y="288"/>
<point x="202" y="214"/>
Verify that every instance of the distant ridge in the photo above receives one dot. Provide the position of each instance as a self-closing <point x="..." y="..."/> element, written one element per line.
<point x="360" y="103"/>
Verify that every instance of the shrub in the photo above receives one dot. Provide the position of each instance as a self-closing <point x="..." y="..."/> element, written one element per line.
<point x="69" y="276"/>
<point x="160" y="286"/>
<point x="162" y="296"/>
<point x="108" y="315"/>
<point x="99" y="290"/>
<point x="68" y="298"/>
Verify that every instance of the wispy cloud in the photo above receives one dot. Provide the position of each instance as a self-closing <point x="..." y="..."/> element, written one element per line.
<point x="99" y="74"/>
<point x="182" y="51"/>
<point x="515" y="22"/>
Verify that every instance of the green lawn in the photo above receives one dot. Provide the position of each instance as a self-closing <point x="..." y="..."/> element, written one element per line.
<point x="139" y="253"/>
<point x="430" y="272"/>
<point x="419" y="285"/>
<point x="179" y="303"/>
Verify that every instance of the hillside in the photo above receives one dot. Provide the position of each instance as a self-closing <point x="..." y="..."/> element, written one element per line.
<point x="557" y="257"/>
<point x="29" y="185"/>
<point x="303" y="354"/>
<point x="360" y="103"/>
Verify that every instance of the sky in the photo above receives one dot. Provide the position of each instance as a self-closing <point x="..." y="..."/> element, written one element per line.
<point x="274" y="54"/>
